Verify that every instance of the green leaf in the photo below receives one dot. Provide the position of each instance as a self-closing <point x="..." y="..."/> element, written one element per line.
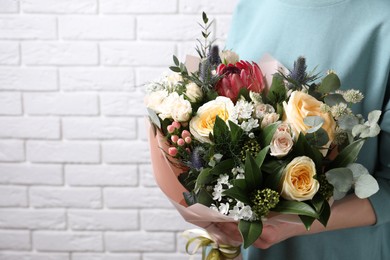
<point x="244" y="92"/>
<point x="175" y="69"/>
<point x="238" y="194"/>
<point x="273" y="180"/>
<point x="307" y="221"/>
<point x="253" y="175"/>
<point x="176" y="60"/>
<point x="267" y="133"/>
<point x="330" y="83"/>
<point x="220" y="130"/>
<point x="204" y="177"/>
<point x="223" y="167"/>
<point x="348" y="154"/>
<point x="334" y="99"/>
<point x="240" y="183"/>
<point x="154" y="118"/>
<point x="295" y="207"/>
<point x="341" y="178"/>
<point x="318" y="138"/>
<point x="204" y="17"/>
<point x="205" y="198"/>
<point x="190" y="198"/>
<point x="303" y="148"/>
<point x="250" y="231"/>
<point x="325" y="213"/>
<point x="277" y="92"/>
<point x="261" y="156"/>
<point x="236" y="132"/>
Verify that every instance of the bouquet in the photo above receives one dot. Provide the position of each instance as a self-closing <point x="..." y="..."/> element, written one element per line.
<point x="245" y="142"/>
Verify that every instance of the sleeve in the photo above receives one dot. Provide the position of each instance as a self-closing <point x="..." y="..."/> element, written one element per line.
<point x="381" y="200"/>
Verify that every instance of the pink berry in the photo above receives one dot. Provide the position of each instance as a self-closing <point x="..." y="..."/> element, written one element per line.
<point x="172" y="151"/>
<point x="180" y="142"/>
<point x="185" y="134"/>
<point x="176" y="124"/>
<point x="171" y="129"/>
<point x="174" y="138"/>
<point x="188" y="140"/>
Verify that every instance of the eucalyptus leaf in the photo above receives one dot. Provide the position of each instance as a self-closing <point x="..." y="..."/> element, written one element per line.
<point x="334" y="99"/>
<point x="190" y="198"/>
<point x="318" y="138"/>
<point x="365" y="186"/>
<point x="340" y="178"/>
<point x="313" y="121"/>
<point x="154" y="118"/>
<point x="373" y="117"/>
<point x="347" y="122"/>
<point x="330" y="83"/>
<point x="250" y="231"/>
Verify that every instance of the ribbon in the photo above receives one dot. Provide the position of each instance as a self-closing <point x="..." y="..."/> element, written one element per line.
<point x="201" y="239"/>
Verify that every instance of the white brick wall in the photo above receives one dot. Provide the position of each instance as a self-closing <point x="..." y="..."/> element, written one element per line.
<point x="75" y="176"/>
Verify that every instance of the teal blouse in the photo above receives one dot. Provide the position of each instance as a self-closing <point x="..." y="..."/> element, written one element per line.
<point x="351" y="37"/>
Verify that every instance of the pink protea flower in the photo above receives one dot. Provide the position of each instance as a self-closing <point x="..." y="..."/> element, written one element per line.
<point x="240" y="75"/>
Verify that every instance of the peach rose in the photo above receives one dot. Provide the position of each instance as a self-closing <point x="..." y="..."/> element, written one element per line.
<point x="202" y="124"/>
<point x="301" y="105"/>
<point x="298" y="181"/>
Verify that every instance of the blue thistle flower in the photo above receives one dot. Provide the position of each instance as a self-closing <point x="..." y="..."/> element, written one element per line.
<point x="299" y="71"/>
<point x="197" y="154"/>
<point x="213" y="56"/>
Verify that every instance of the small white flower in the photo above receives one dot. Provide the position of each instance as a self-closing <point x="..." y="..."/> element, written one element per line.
<point x="224" y="208"/>
<point x="340" y="110"/>
<point x="223" y="179"/>
<point x="243" y="109"/>
<point x="213" y="207"/>
<point x="247" y="126"/>
<point x="353" y="96"/>
<point x="246" y="213"/>
<point x="240" y="176"/>
<point x="237" y="170"/>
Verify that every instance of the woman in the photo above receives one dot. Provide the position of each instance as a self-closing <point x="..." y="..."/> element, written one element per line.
<point x="351" y="37"/>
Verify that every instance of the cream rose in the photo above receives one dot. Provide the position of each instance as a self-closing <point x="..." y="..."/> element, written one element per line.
<point x="202" y="124"/>
<point x="281" y="143"/>
<point x="298" y="181"/>
<point x="269" y="119"/>
<point x="301" y="105"/>
<point x="155" y="99"/>
<point x="193" y="92"/>
<point x="229" y="57"/>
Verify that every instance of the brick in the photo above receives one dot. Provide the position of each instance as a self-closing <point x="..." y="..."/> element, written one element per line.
<point x="27" y="27"/>
<point x="222" y="26"/>
<point x="32" y="256"/>
<point x="99" y="128"/>
<point x="67" y="241"/>
<point x="64" y="6"/>
<point x="30" y="127"/>
<point x="29" y="79"/>
<point x="30" y="174"/>
<point x="97" y="79"/>
<point x="170" y="256"/>
<point x="56" y="151"/>
<point x="101" y="175"/>
<point x="139" y="241"/>
<point x="134" y="6"/>
<point x="15" y="240"/>
<point x="117" y="256"/>
<point x="11" y="151"/>
<point x="142" y="131"/>
<point x="10" y="103"/>
<point x="113" y="104"/>
<point x="9" y="52"/>
<point x="13" y="196"/>
<point x="97" y="27"/>
<point x="125" y="152"/>
<point x="163" y="220"/>
<point x="147" y="75"/>
<point x="216" y="6"/>
<point x="61" y="104"/>
<point x="32" y="219"/>
<point x="103" y="220"/>
<point x="59" y="53"/>
<point x="135" y="198"/>
<point x="9" y="6"/>
<point x="136" y="54"/>
<point x="47" y="197"/>
<point x="174" y="27"/>
<point x="146" y="175"/>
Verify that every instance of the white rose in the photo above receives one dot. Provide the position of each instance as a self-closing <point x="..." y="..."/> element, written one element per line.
<point x="182" y="110"/>
<point x="262" y="109"/>
<point x="202" y="124"/>
<point x="193" y="92"/>
<point x="155" y="99"/>
<point x="281" y="144"/>
<point x="269" y="119"/>
<point x="168" y="105"/>
<point x="298" y="181"/>
<point x="228" y="57"/>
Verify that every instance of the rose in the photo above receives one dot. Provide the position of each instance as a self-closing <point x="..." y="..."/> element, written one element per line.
<point x="193" y="92"/>
<point x="262" y="109"/>
<point x="155" y="99"/>
<point x="301" y="105"/>
<point x="229" y="57"/>
<point x="269" y="119"/>
<point x="235" y="77"/>
<point x="281" y="143"/>
<point x="298" y="181"/>
<point x="202" y="124"/>
<point x="175" y="107"/>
